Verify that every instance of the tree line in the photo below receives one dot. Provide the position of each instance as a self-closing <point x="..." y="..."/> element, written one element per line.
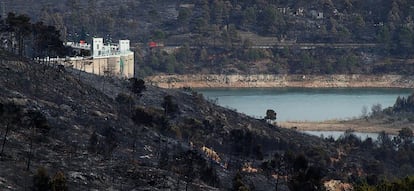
<point x="27" y="39"/>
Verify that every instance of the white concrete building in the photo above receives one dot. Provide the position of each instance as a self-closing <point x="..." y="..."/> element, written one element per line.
<point x="106" y="59"/>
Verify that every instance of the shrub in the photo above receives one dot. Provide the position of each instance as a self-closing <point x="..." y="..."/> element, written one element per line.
<point x="41" y="180"/>
<point x="124" y="99"/>
<point x="58" y="182"/>
<point x="137" y="85"/>
<point x="38" y="120"/>
<point x="140" y="116"/>
<point x="169" y="106"/>
<point x="238" y="184"/>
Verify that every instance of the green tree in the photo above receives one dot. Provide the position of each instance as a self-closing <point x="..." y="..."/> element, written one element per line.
<point x="218" y="12"/>
<point x="384" y="141"/>
<point x="406" y="135"/>
<point x="203" y="55"/>
<point x="170" y="64"/>
<point x="399" y="104"/>
<point x="405" y="40"/>
<point x="270" y="115"/>
<point x="249" y="16"/>
<point x="359" y="25"/>
<point x="184" y="54"/>
<point x="307" y="63"/>
<point x="376" y="109"/>
<point x="384" y="37"/>
<point x="271" y="21"/>
<point x="394" y="18"/>
<point x="158" y="35"/>
<point x="183" y="18"/>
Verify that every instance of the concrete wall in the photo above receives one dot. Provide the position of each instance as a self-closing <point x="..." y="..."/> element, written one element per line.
<point x="117" y="65"/>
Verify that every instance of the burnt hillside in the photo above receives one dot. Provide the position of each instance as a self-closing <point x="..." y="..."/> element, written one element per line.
<point x="99" y="141"/>
<point x="91" y="132"/>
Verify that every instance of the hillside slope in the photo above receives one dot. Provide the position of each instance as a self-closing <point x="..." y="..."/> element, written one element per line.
<point x="95" y="134"/>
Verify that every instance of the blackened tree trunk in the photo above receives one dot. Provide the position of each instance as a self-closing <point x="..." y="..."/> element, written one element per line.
<point x="4" y="139"/>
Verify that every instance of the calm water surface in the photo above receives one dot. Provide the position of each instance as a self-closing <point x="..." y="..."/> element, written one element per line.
<point x="304" y="104"/>
<point x="336" y="134"/>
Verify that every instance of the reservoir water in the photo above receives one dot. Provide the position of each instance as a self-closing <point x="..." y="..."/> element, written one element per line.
<point x="304" y="104"/>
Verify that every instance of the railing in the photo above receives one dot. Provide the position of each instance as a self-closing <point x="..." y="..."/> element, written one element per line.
<point x="79" y="45"/>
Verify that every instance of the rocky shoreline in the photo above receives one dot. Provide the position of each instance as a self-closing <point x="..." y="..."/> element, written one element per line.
<point x="274" y="81"/>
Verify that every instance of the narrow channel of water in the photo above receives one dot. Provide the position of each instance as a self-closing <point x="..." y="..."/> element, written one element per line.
<point x="304" y="104"/>
<point x="336" y="134"/>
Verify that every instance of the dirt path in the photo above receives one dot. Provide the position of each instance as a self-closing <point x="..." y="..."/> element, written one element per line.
<point x="334" y="125"/>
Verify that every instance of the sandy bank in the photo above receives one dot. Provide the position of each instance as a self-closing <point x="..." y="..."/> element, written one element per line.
<point x="269" y="81"/>
<point x="355" y="125"/>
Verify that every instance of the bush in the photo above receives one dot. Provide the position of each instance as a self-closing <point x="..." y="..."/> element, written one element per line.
<point x="376" y="109"/>
<point x="124" y="99"/>
<point x="169" y="106"/>
<point x="38" y="120"/>
<point x="140" y="116"/>
<point x="137" y="85"/>
<point x="238" y="184"/>
<point x="41" y="180"/>
<point x="58" y="182"/>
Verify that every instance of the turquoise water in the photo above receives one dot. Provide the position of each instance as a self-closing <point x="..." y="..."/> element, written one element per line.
<point x="304" y="104"/>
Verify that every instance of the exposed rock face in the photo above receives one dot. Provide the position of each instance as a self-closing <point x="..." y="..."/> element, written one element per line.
<point x="337" y="185"/>
<point x="269" y="81"/>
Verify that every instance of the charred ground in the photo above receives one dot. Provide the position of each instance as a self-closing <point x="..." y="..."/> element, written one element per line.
<point x="91" y="132"/>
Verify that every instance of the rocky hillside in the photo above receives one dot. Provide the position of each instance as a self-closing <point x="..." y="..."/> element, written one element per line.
<point x="62" y="128"/>
<point x="98" y="142"/>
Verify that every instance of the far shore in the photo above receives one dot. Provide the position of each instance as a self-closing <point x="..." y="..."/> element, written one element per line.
<point x="281" y="80"/>
<point x="357" y="125"/>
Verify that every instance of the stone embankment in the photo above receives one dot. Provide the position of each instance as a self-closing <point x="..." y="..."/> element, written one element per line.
<point x="272" y="81"/>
